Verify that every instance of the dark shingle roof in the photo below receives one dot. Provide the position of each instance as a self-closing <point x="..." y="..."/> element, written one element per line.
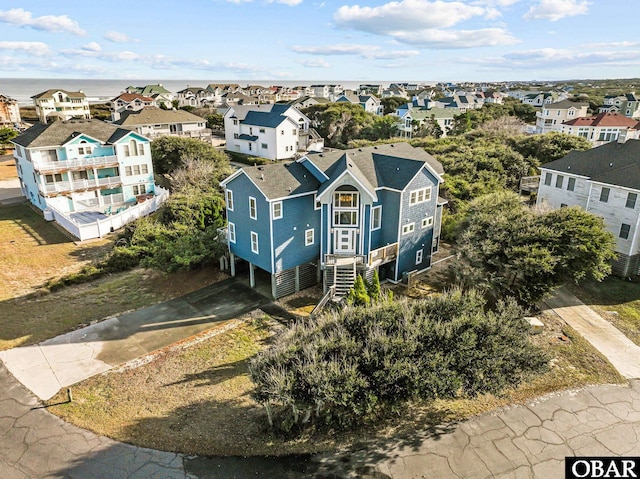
<point x="60" y="132"/>
<point x="391" y="166"/>
<point x="612" y="163"/>
<point x="263" y="118"/>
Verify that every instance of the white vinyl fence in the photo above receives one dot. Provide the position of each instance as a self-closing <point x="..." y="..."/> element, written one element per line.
<point x="101" y="227"/>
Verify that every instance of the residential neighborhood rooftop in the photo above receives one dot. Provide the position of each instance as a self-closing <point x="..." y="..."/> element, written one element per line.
<point x="60" y="132"/>
<point x="614" y="163"/>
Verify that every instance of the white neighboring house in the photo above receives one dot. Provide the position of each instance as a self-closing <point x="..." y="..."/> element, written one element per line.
<point x="412" y="116"/>
<point x="196" y="97"/>
<point x="370" y="103"/>
<point x="552" y="116"/>
<point x="603" y="128"/>
<point x="90" y="176"/>
<point x="153" y="122"/>
<point x="129" y="102"/>
<point x="274" y="131"/>
<point x="606" y="182"/>
<point x="61" y="105"/>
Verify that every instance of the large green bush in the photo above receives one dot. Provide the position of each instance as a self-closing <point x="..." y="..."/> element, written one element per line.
<point x="347" y="366"/>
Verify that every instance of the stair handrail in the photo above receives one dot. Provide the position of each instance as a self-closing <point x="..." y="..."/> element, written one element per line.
<point x="323" y="301"/>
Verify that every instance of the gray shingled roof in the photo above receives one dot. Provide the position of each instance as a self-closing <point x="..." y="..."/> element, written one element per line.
<point x="60" y="132"/>
<point x="566" y="104"/>
<point x="152" y="115"/>
<point x="392" y="166"/>
<point x="70" y="94"/>
<point x="612" y="163"/>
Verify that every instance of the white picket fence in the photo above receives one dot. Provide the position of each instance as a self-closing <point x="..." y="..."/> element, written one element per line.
<point x="110" y="223"/>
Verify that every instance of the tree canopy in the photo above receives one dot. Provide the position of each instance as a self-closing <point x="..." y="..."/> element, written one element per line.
<point x="509" y="249"/>
<point x="171" y="152"/>
<point x="339" y="123"/>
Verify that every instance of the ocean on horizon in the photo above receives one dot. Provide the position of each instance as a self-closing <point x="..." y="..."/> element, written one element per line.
<point x="22" y="89"/>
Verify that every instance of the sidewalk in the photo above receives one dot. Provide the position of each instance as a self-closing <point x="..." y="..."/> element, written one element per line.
<point x="10" y="192"/>
<point x="623" y="353"/>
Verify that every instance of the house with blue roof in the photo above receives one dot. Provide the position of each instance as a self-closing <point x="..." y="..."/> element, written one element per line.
<point x="331" y="216"/>
<point x="274" y="131"/>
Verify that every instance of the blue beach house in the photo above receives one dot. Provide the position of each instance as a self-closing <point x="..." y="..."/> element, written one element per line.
<point x="330" y="216"/>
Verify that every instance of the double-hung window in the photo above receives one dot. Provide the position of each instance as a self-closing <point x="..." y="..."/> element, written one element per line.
<point x="254" y="243"/>
<point x="232" y="232"/>
<point x="253" y="209"/>
<point x="376" y="218"/>
<point x="308" y="237"/>
<point x="230" y="200"/>
<point x="277" y="210"/>
<point x="631" y="200"/>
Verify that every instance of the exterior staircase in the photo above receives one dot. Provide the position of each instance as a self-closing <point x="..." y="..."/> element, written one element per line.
<point x="344" y="277"/>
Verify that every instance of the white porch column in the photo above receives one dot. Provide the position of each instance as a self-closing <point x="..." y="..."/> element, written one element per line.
<point x="252" y="275"/>
<point x="232" y="263"/>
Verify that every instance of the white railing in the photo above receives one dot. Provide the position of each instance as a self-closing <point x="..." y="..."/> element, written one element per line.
<point x="76" y="185"/>
<point x="78" y="163"/>
<point x="104" y="226"/>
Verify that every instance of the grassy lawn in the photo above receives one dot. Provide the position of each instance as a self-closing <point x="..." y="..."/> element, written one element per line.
<point x="196" y="401"/>
<point x="7" y="167"/>
<point x="33" y="250"/>
<point x="617" y="300"/>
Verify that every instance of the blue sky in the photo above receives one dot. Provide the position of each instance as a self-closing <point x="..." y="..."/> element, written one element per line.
<point x="357" y="40"/>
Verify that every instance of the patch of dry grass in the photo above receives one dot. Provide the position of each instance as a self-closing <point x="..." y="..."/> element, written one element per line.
<point x="34" y="318"/>
<point x="198" y="401"/>
<point x="33" y="250"/>
<point x="7" y="167"/>
<point x="194" y="401"/>
<point x="615" y="299"/>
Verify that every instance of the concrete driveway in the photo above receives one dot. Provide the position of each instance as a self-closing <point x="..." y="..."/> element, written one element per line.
<point x="47" y="367"/>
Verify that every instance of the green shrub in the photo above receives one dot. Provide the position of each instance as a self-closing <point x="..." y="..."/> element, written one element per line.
<point x="345" y="367"/>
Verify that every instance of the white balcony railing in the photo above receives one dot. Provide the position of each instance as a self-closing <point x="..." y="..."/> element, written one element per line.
<point x="75" y="164"/>
<point x="80" y="185"/>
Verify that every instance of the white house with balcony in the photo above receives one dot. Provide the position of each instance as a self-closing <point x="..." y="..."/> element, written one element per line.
<point x="606" y="182"/>
<point x="603" y="128"/>
<point x="86" y="174"/>
<point x="153" y="122"/>
<point x="274" y="131"/>
<point x="61" y="105"/>
<point x="129" y="102"/>
<point x="553" y="115"/>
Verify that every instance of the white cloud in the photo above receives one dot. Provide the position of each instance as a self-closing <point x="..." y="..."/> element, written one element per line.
<point x="456" y="38"/>
<point x="554" y="10"/>
<point x="291" y="3"/>
<point x="50" y="23"/>
<point x="559" y="59"/>
<point x="315" y="63"/>
<point x="364" y="51"/>
<point x="32" y="48"/>
<point x="426" y="23"/>
<point x="92" y="47"/>
<point x="406" y="15"/>
<point x="117" y="37"/>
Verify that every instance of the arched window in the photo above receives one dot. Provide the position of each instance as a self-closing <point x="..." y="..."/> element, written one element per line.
<point x="133" y="148"/>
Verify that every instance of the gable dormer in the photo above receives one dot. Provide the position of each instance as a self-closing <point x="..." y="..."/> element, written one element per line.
<point x="311" y="167"/>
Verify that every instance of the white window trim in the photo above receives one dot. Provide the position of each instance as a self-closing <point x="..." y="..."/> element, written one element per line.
<point x="419" y="256"/>
<point x="255" y="208"/>
<point x="426" y="195"/>
<point x="408" y="228"/>
<point x="257" y="245"/>
<point x="315" y="203"/>
<point x="426" y="222"/>
<point x="376" y="208"/>
<point x="232" y="232"/>
<point x="306" y="237"/>
<point x="273" y="210"/>
<point x="230" y="200"/>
